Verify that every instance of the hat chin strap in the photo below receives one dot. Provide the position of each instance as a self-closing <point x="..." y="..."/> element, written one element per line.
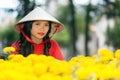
<point x="56" y="28"/>
<point x="27" y="38"/>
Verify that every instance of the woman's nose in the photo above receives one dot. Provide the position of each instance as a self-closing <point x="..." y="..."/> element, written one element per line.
<point x="41" y="27"/>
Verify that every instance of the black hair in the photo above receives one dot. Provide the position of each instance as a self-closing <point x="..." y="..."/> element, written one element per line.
<point x="25" y="47"/>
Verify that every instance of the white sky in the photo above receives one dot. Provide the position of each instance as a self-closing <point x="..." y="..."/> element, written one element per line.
<point x="82" y="2"/>
<point x="8" y="4"/>
<point x="14" y="3"/>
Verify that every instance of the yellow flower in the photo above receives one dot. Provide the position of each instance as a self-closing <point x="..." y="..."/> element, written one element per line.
<point x="60" y="68"/>
<point x="76" y="60"/>
<point x="1" y="60"/>
<point x="106" y="73"/>
<point x="39" y="68"/>
<point x="117" y="54"/>
<point x="12" y="75"/>
<point x="16" y="58"/>
<point x="36" y="58"/>
<point x="117" y="74"/>
<point x="49" y="76"/>
<point x="85" y="73"/>
<point x="9" y="49"/>
<point x="67" y="77"/>
<point x="105" y="54"/>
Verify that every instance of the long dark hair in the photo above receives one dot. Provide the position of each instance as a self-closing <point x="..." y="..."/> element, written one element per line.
<point x="25" y="47"/>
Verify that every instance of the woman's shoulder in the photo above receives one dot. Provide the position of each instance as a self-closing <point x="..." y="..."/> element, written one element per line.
<point x="53" y="41"/>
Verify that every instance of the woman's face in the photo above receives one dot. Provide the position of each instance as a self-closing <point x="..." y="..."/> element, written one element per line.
<point x="39" y="29"/>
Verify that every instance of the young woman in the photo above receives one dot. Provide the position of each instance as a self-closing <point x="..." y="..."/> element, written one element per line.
<point x="36" y="30"/>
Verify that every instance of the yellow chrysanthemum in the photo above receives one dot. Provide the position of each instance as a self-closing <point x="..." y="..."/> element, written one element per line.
<point x="117" y="54"/>
<point x="12" y="75"/>
<point x="74" y="61"/>
<point x="49" y="76"/>
<point x="106" y="73"/>
<point x="87" y="61"/>
<point x="1" y="60"/>
<point x="60" y="68"/>
<point x="67" y="77"/>
<point x="36" y="58"/>
<point x="105" y="54"/>
<point x="9" y="49"/>
<point x="16" y="58"/>
<point x="117" y="74"/>
<point x="85" y="73"/>
<point x="39" y="69"/>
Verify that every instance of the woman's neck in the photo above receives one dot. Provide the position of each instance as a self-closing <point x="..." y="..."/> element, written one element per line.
<point x="36" y="40"/>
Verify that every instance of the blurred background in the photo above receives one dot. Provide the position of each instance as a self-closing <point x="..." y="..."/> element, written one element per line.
<point x="89" y="24"/>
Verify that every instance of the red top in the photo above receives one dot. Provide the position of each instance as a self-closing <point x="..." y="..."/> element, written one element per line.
<point x="38" y="49"/>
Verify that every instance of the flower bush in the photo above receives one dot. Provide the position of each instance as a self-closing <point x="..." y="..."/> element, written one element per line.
<point x="105" y="65"/>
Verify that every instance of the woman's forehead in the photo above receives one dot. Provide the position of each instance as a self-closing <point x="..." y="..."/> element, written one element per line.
<point x="44" y="21"/>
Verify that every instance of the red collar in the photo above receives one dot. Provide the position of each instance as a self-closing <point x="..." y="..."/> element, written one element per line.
<point x="43" y="42"/>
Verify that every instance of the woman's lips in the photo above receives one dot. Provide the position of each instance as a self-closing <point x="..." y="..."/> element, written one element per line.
<point x="41" y="33"/>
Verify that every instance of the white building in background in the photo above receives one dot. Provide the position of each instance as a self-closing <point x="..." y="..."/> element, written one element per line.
<point x="101" y="28"/>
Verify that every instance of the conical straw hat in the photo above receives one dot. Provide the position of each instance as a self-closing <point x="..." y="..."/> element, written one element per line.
<point x="40" y="14"/>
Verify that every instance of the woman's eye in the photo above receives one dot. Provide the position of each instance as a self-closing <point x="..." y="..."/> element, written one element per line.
<point x="37" y="24"/>
<point x="46" y="24"/>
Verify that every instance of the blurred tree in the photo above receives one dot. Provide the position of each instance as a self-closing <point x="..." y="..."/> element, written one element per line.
<point x="72" y="25"/>
<point x="112" y="10"/>
<point x="87" y="19"/>
<point x="25" y="7"/>
<point x="8" y="35"/>
<point x="89" y="9"/>
<point x="62" y="38"/>
<point x="64" y="15"/>
<point x="113" y="36"/>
